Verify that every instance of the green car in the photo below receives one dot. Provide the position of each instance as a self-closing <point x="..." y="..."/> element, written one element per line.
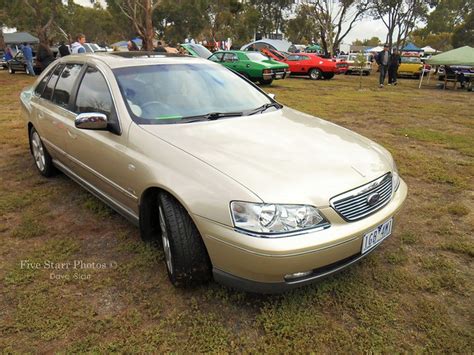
<point x="195" y="50"/>
<point x="253" y="65"/>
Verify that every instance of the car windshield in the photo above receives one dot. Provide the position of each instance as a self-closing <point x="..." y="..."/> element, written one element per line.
<point x="201" y="51"/>
<point x="415" y="60"/>
<point x="179" y="93"/>
<point x="256" y="57"/>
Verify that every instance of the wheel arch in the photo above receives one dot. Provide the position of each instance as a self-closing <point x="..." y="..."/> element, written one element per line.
<point x="147" y="203"/>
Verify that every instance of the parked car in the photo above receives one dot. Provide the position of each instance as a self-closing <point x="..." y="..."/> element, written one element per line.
<point x="18" y="63"/>
<point x="252" y="65"/>
<point x="411" y="66"/>
<point x="305" y="64"/>
<point x="93" y="48"/>
<point x="356" y="69"/>
<point x="196" y="50"/>
<point x="233" y="184"/>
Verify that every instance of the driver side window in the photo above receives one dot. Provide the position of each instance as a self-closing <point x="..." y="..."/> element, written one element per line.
<point x="94" y="95"/>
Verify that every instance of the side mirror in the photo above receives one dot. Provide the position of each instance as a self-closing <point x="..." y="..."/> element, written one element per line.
<point x="272" y="96"/>
<point x="91" y="120"/>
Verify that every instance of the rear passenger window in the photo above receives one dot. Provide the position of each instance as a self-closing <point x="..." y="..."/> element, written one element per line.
<point x="42" y="84"/>
<point x="48" y="90"/>
<point x="63" y="89"/>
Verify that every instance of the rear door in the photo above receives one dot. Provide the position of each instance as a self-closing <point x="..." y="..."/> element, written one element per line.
<point x="48" y="121"/>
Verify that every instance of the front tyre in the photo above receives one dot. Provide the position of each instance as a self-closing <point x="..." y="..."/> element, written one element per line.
<point x="265" y="82"/>
<point x="43" y="160"/>
<point x="315" y="74"/>
<point x="185" y="254"/>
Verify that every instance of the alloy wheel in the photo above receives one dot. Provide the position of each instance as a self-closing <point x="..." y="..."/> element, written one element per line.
<point x="165" y="240"/>
<point x="38" y="151"/>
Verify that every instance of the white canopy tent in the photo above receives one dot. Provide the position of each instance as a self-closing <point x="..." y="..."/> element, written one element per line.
<point x="375" y="49"/>
<point x="429" y="49"/>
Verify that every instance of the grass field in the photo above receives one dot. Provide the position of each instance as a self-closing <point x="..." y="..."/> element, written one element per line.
<point x="415" y="293"/>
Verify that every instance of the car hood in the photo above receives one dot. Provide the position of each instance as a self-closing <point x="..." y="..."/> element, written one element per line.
<point x="283" y="156"/>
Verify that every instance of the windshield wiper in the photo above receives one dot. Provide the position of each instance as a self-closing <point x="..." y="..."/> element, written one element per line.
<point x="211" y="116"/>
<point x="265" y="107"/>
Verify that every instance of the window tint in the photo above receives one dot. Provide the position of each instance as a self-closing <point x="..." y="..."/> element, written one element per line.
<point x="303" y="57"/>
<point x="293" y="57"/>
<point x="230" y="57"/>
<point x="94" y="94"/>
<point x="66" y="81"/>
<point x="48" y="90"/>
<point x="216" y="57"/>
<point x="41" y="85"/>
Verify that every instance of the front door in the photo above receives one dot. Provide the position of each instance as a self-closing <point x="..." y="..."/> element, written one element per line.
<point x="101" y="157"/>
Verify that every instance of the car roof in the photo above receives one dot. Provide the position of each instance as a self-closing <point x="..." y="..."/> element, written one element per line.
<point x="129" y="59"/>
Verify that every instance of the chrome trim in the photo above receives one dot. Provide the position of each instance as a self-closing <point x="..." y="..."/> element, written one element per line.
<point x="283" y="235"/>
<point x="353" y="210"/>
<point x="124" y="211"/>
<point x="100" y="176"/>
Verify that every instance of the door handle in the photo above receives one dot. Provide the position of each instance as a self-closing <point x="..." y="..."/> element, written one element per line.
<point x="72" y="135"/>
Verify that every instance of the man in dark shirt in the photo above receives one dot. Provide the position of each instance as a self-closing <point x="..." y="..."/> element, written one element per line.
<point x="383" y="60"/>
<point x="393" y="67"/>
<point x="63" y="50"/>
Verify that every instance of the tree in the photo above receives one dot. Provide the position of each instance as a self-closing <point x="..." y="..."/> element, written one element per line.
<point x="447" y="15"/>
<point x="140" y="15"/>
<point x="335" y="19"/>
<point x="302" y="28"/>
<point x="272" y="15"/>
<point x="440" y="41"/>
<point x="399" y="16"/>
<point x="368" y="42"/>
<point x="35" y="16"/>
<point x="464" y="34"/>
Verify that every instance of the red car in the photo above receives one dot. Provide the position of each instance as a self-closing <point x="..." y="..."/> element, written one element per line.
<point x="306" y="64"/>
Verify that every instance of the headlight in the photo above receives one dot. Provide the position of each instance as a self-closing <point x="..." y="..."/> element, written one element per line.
<point x="395" y="178"/>
<point x="273" y="219"/>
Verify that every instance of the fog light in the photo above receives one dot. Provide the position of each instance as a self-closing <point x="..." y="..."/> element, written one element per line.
<point x="298" y="275"/>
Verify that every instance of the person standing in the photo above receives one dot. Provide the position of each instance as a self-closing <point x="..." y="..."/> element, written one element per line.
<point x="132" y="46"/>
<point x="8" y="54"/>
<point x="28" y="56"/>
<point x="45" y="57"/>
<point x="383" y="60"/>
<point x="395" y="61"/>
<point x="78" y="46"/>
<point x="63" y="50"/>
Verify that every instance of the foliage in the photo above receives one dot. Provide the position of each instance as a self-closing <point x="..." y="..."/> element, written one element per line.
<point x="302" y="28"/>
<point x="369" y="42"/>
<point x="360" y="62"/>
<point x="440" y="41"/>
<point x="464" y="34"/>
<point x="399" y="16"/>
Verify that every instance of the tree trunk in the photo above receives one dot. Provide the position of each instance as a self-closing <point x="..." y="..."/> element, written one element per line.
<point x="149" y="33"/>
<point x="2" y="40"/>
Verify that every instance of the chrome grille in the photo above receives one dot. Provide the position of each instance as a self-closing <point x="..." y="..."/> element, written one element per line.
<point x="365" y="200"/>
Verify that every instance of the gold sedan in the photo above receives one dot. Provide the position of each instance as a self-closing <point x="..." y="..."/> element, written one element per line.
<point x="233" y="184"/>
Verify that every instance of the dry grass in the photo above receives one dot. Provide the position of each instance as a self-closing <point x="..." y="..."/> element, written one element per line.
<point x="414" y="294"/>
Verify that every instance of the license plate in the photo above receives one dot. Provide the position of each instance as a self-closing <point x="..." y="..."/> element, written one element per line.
<point x="376" y="236"/>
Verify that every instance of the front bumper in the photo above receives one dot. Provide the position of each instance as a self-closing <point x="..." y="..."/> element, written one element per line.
<point x="260" y="264"/>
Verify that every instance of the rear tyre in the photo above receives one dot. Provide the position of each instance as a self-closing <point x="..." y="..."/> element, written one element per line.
<point x="265" y="82"/>
<point x="10" y="70"/>
<point x="315" y="74"/>
<point x="185" y="254"/>
<point x="43" y="160"/>
<point x="328" y="76"/>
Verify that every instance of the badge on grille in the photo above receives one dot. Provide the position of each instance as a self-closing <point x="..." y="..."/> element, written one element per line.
<point x="373" y="199"/>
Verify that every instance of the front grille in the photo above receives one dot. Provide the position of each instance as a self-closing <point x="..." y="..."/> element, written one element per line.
<point x="354" y="205"/>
